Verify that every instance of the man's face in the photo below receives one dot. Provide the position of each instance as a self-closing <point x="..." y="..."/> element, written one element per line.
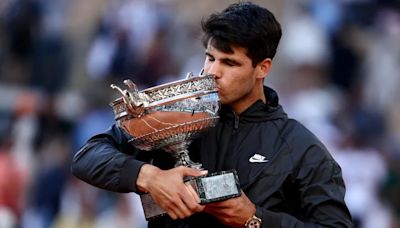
<point x="235" y="76"/>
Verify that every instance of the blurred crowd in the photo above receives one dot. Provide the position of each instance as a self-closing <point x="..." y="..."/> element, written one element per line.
<point x="337" y="71"/>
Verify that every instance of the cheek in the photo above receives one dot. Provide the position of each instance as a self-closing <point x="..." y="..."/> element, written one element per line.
<point x="240" y="85"/>
<point x="231" y="86"/>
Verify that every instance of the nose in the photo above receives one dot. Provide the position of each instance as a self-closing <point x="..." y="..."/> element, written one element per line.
<point x="214" y="69"/>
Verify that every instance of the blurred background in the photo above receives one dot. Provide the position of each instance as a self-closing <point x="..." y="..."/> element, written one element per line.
<point x="337" y="71"/>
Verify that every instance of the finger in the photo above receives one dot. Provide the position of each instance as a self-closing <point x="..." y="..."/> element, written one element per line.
<point x="193" y="192"/>
<point x="219" y="204"/>
<point x="212" y="208"/>
<point x="193" y="172"/>
<point x="183" y="204"/>
<point x="181" y="209"/>
<point x="213" y="211"/>
<point x="195" y="206"/>
<point x="191" y="200"/>
<point x="173" y="209"/>
<point x="172" y="215"/>
<point x="174" y="205"/>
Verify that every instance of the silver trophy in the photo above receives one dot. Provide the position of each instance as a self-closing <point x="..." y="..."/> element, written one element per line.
<point x="168" y="117"/>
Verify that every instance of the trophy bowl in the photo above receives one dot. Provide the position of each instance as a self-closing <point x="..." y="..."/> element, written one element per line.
<point x="168" y="116"/>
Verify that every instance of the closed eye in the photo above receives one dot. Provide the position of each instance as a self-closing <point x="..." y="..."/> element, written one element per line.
<point x="227" y="61"/>
<point x="210" y="57"/>
<point x="231" y="62"/>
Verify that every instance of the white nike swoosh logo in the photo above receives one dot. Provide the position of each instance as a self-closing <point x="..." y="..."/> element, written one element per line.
<point x="257" y="158"/>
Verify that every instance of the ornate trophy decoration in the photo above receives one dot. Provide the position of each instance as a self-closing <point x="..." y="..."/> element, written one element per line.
<point x="168" y="117"/>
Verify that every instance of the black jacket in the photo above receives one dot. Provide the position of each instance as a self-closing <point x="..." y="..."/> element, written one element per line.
<point x="300" y="186"/>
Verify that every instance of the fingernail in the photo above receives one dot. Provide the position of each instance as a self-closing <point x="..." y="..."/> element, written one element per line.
<point x="204" y="172"/>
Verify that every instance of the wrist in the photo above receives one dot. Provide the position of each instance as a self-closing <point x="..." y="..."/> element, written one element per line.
<point x="146" y="173"/>
<point x="254" y="221"/>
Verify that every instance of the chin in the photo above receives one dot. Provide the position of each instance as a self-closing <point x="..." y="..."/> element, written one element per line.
<point x="223" y="101"/>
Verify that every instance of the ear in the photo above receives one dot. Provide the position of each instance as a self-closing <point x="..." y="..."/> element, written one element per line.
<point x="263" y="68"/>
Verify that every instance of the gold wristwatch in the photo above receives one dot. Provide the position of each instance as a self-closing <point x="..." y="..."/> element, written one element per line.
<point x="253" y="222"/>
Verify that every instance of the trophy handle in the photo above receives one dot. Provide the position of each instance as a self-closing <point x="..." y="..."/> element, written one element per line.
<point x="135" y="101"/>
<point x="189" y="75"/>
<point x="201" y="73"/>
<point x="132" y="86"/>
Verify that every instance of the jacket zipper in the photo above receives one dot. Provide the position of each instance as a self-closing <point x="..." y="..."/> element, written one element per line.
<point x="236" y="126"/>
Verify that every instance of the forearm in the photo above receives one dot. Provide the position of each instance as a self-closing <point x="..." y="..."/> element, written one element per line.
<point x="100" y="164"/>
<point x="279" y="219"/>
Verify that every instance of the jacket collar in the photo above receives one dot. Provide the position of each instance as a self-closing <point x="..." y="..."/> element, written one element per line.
<point x="259" y="111"/>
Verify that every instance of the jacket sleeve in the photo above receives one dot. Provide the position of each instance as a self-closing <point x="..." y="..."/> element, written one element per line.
<point x="321" y="191"/>
<point x="108" y="161"/>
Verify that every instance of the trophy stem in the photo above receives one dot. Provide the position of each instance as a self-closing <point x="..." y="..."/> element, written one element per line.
<point x="181" y="154"/>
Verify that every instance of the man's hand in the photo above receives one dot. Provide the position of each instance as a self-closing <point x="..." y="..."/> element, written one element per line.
<point x="169" y="191"/>
<point x="233" y="212"/>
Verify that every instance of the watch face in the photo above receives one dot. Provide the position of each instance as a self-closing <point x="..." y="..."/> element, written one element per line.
<point x="254" y="223"/>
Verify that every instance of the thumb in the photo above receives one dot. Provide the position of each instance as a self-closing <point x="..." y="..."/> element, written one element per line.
<point x="186" y="171"/>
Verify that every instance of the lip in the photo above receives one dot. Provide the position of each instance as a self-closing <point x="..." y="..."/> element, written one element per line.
<point x="220" y="92"/>
<point x="218" y="86"/>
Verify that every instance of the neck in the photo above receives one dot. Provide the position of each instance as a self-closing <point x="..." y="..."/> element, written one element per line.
<point x="256" y="94"/>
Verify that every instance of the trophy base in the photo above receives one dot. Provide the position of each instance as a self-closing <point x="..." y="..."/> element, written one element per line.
<point x="211" y="188"/>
